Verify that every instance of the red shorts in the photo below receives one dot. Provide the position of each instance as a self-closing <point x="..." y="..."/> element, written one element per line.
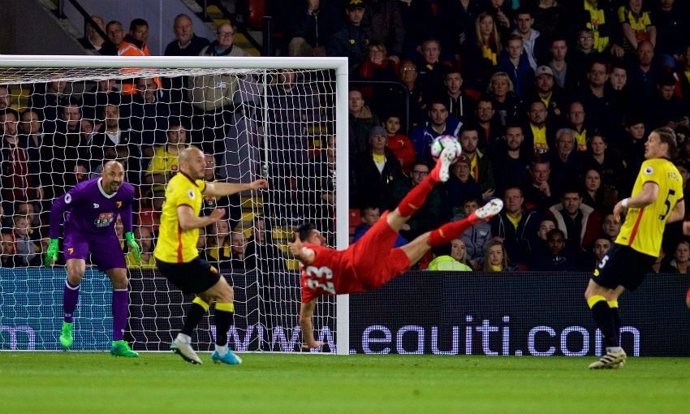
<point x="375" y="260"/>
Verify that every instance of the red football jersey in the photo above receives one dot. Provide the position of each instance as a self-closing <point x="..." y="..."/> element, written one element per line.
<point x="332" y="272"/>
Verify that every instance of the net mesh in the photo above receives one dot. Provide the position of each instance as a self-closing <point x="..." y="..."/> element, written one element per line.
<point x="60" y="124"/>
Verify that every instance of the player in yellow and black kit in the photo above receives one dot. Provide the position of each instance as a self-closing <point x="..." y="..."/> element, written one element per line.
<point x="657" y="199"/>
<point x="177" y="256"/>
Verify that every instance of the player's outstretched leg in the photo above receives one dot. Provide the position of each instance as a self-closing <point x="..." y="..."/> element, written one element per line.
<point x="487" y="211"/>
<point x="121" y="348"/>
<point x="441" y="172"/>
<point x="454" y="229"/>
<point x="182" y="346"/>
<point x="66" y="336"/>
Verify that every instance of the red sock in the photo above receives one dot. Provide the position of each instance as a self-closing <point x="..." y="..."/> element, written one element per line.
<point x="447" y="232"/>
<point x="416" y="197"/>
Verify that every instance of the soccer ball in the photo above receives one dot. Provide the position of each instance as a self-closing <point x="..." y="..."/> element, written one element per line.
<point x="444" y="141"/>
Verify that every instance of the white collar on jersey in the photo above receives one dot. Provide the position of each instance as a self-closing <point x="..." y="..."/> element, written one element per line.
<point x="100" y="188"/>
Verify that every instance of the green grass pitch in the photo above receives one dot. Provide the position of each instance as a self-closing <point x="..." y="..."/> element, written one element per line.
<point x="74" y="383"/>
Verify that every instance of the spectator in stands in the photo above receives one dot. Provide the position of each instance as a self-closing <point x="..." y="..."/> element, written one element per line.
<point x="502" y="12"/>
<point x="384" y="19"/>
<point x="602" y="245"/>
<point x="608" y="162"/>
<point x="399" y="143"/>
<point x="149" y="112"/>
<point x="566" y="163"/>
<point x="379" y="67"/>
<point x="644" y="75"/>
<point x="373" y="172"/>
<point x="539" y="131"/>
<point x="218" y="249"/>
<point x="460" y="105"/>
<point x="8" y="250"/>
<point x="369" y="215"/>
<point x="413" y="98"/>
<point x="671" y="27"/>
<point x="579" y="222"/>
<point x="600" y="196"/>
<point x="5" y="97"/>
<point x="352" y="40"/>
<point x="164" y="165"/>
<point x="532" y="41"/>
<point x="510" y="159"/>
<point x="17" y="183"/>
<point x="134" y="44"/>
<point x="565" y="74"/>
<point x="480" y="165"/>
<point x="545" y="225"/>
<point x="611" y="227"/>
<point x="104" y="92"/>
<point x="430" y="215"/>
<point x="482" y="48"/>
<point x="28" y="253"/>
<point x="576" y="121"/>
<point x="458" y="20"/>
<point x="116" y="134"/>
<point x="455" y="261"/>
<point x="544" y="89"/>
<point x="46" y="98"/>
<point x="549" y="18"/>
<point x="262" y="247"/>
<point x="116" y="34"/>
<point x="186" y="42"/>
<point x="438" y="123"/>
<point x="231" y="203"/>
<point x="496" y="258"/>
<point x="638" y="25"/>
<point x="680" y="263"/>
<point x="476" y="238"/>
<point x="539" y="193"/>
<point x="431" y="69"/>
<point x="39" y="149"/>
<point x="599" y="17"/>
<point x="28" y="209"/>
<point x="362" y="120"/>
<point x="556" y="257"/>
<point x="516" y="227"/>
<point x="667" y="109"/>
<point x="461" y="186"/>
<point x="632" y="148"/>
<point x="506" y="106"/>
<point x="515" y="62"/>
<point x="92" y="40"/>
<point x="239" y="261"/>
<point x="312" y="27"/>
<point x="597" y="98"/>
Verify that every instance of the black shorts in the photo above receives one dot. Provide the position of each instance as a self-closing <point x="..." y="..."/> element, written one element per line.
<point x="193" y="277"/>
<point x="623" y="266"/>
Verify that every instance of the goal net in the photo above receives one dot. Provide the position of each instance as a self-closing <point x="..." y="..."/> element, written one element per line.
<point x="61" y="117"/>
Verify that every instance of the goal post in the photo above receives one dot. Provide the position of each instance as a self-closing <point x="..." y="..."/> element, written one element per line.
<point x="258" y="116"/>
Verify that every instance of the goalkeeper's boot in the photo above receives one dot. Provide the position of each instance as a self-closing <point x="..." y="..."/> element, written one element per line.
<point x="487" y="211"/>
<point x="229" y="358"/>
<point x="121" y="348"/>
<point x="441" y="172"/>
<point x="66" y="338"/>
<point x="184" y="350"/>
<point x="610" y="360"/>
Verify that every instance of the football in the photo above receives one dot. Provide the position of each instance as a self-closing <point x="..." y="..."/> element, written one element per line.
<point x="444" y="141"/>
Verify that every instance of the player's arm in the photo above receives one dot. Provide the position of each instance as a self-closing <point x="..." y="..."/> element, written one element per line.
<point x="306" y="316"/>
<point x="188" y="220"/>
<point x="301" y="253"/>
<point x="217" y="189"/>
<point x="648" y="195"/>
<point x="678" y="213"/>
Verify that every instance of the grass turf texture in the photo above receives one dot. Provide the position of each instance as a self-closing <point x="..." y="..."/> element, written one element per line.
<point x="162" y="383"/>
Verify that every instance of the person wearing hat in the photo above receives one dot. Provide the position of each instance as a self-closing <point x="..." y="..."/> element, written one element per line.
<point x="545" y="90"/>
<point x="375" y="169"/>
<point x="353" y="39"/>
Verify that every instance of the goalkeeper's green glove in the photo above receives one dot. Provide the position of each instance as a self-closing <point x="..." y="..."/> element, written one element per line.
<point x="51" y="253"/>
<point x="133" y="246"/>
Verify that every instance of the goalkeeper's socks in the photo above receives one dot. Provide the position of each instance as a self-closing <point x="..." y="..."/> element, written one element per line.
<point x="449" y="231"/>
<point x="70" y="297"/>
<point x="120" y="312"/>
<point x="416" y="197"/>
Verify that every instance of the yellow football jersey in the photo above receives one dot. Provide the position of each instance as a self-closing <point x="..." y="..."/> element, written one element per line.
<point x="175" y="245"/>
<point x="643" y="228"/>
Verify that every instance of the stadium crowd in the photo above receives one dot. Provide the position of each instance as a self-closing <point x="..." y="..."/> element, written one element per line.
<point x="551" y="101"/>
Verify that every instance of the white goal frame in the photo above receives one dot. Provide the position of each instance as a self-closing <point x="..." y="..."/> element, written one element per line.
<point x="339" y="64"/>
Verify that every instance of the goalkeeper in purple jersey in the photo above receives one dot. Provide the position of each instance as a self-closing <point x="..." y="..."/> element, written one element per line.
<point x="93" y="207"/>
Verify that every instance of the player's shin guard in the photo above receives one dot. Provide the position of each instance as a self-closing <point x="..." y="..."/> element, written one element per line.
<point x="447" y="232"/>
<point x="120" y="313"/>
<point x="196" y="312"/>
<point x="70" y="297"/>
<point x="224" y="312"/>
<point x="603" y="318"/>
<point x="416" y="197"/>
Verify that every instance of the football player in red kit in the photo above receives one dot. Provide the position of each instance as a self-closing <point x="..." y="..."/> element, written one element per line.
<point x="372" y="261"/>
